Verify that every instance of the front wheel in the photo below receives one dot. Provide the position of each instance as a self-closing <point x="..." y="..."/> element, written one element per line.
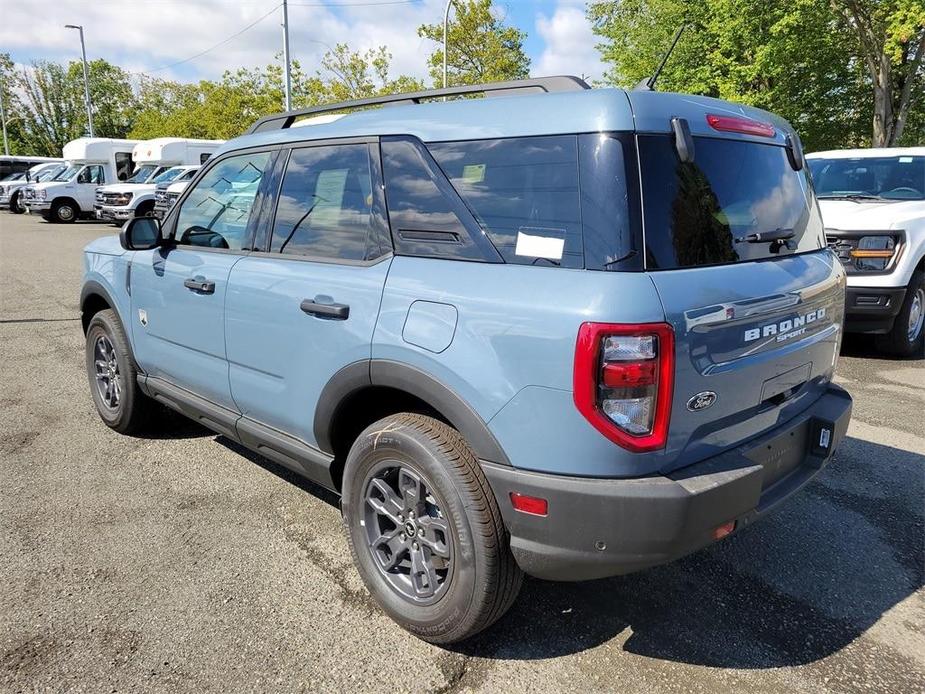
<point x="907" y="337"/>
<point x="425" y="529"/>
<point x="16" y="207"/>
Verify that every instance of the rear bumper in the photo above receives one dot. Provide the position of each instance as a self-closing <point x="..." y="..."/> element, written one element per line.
<point x="605" y="527"/>
<point x="872" y="309"/>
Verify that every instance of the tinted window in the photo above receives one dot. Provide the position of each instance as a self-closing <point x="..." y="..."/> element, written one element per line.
<point x="524" y="193"/>
<point x="700" y="212"/>
<point x="325" y="204"/>
<point x="892" y="178"/>
<point x="204" y="157"/>
<point x="124" y="165"/>
<point x="216" y="212"/>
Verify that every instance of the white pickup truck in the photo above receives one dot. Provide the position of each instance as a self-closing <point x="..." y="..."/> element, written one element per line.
<point x="873" y="208"/>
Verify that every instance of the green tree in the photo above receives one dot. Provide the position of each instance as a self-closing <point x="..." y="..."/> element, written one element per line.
<point x="480" y="47"/>
<point x="348" y="74"/>
<point x="12" y="105"/>
<point x="788" y="56"/>
<point x="889" y="38"/>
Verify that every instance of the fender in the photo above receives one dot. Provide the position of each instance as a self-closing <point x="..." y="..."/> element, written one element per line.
<point x="93" y="287"/>
<point x="392" y="374"/>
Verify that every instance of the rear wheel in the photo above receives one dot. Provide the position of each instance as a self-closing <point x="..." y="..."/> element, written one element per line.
<point x="907" y="337"/>
<point x="64" y="211"/>
<point x="113" y="374"/>
<point x="425" y="530"/>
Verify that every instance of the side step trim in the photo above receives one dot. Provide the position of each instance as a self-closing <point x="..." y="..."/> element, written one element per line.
<point x="298" y="456"/>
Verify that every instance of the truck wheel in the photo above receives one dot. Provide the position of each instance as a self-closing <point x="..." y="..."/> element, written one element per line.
<point x="425" y="530"/>
<point x="15" y="206"/>
<point x="145" y="209"/>
<point x="907" y="337"/>
<point x="64" y="212"/>
<point x="112" y="373"/>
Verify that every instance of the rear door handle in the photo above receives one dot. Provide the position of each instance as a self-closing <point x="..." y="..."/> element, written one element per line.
<point x="200" y="285"/>
<point x="332" y="311"/>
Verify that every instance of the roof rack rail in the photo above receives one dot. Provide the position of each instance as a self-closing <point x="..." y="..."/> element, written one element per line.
<point x="559" y="83"/>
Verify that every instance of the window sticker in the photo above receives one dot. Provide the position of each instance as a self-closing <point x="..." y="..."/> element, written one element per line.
<point x="474" y="173"/>
<point x="329" y="194"/>
<point x="540" y="243"/>
<point x="905" y="160"/>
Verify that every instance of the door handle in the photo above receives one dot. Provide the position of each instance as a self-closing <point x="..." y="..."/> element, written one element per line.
<point x="200" y="285"/>
<point x="332" y="311"/>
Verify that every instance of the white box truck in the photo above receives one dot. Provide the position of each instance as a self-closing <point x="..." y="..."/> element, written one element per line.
<point x="156" y="161"/>
<point x="92" y="162"/>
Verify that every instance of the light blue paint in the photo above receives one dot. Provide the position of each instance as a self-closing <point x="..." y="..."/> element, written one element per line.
<point x="430" y="325"/>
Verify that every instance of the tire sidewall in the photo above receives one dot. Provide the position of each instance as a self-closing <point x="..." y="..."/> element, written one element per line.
<point x="452" y="611"/>
<point x="14" y="204"/>
<point x="102" y="324"/>
<point x="56" y="212"/>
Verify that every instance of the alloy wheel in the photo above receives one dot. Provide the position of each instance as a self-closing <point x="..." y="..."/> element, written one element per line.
<point x="108" y="378"/>
<point x="916" y="314"/>
<point x="407" y="533"/>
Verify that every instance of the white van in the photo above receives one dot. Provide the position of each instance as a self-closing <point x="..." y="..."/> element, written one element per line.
<point x="154" y="160"/>
<point x="11" y="187"/>
<point x="92" y="162"/>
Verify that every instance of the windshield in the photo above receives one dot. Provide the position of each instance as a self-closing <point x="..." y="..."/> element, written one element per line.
<point x="737" y="201"/>
<point x="168" y="175"/>
<point x="49" y="174"/>
<point x="142" y="173"/>
<point x="898" y="177"/>
<point x="13" y="177"/>
<point x="68" y="173"/>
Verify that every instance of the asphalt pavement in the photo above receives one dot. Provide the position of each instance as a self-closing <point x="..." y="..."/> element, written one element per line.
<point x="185" y="563"/>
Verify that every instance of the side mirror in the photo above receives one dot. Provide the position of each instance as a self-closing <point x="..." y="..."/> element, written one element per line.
<point x="141" y="234"/>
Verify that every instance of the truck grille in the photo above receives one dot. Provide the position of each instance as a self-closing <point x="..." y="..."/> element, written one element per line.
<point x="160" y="196"/>
<point x="29" y="194"/>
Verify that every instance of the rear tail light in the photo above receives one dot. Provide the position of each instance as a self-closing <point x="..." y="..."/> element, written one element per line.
<point x="623" y="382"/>
<point x="735" y="124"/>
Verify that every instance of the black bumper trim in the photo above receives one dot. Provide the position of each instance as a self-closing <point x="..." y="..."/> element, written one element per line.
<point x="605" y="527"/>
<point x="872" y="309"/>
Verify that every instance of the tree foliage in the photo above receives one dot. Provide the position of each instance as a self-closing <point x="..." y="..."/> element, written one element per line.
<point x="797" y="58"/>
<point x="481" y="48"/>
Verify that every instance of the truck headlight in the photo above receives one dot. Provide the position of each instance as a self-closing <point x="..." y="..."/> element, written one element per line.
<point x="41" y="194"/>
<point x="124" y="199"/>
<point x="873" y="253"/>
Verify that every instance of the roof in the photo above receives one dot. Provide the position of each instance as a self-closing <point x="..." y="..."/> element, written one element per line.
<point x="520" y="115"/>
<point x="869" y="152"/>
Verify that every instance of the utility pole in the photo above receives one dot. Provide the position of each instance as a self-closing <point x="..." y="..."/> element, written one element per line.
<point x="446" y="21"/>
<point x="6" y="144"/>
<point x="83" y="55"/>
<point x="288" y="76"/>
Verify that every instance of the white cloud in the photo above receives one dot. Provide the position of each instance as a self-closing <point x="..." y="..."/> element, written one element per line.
<point x="569" y="43"/>
<point x="144" y="35"/>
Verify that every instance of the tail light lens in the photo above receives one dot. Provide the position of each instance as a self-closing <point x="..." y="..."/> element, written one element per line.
<point x="735" y="124"/>
<point x="623" y="380"/>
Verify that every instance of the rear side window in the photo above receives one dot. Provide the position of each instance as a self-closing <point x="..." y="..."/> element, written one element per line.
<point x="702" y="212"/>
<point x="524" y="193"/>
<point x="325" y="204"/>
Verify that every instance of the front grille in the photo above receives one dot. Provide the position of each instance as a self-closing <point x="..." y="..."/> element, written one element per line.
<point x="29" y="193"/>
<point x="160" y="196"/>
<point x="99" y="195"/>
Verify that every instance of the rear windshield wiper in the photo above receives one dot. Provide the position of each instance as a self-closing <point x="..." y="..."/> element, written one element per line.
<point x="766" y="236"/>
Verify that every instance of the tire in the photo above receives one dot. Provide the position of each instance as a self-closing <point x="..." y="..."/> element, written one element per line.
<point x="107" y="350"/>
<point x="907" y="337"/>
<point x="64" y="212"/>
<point x="466" y="576"/>
<point x="15" y="207"/>
<point x="145" y="209"/>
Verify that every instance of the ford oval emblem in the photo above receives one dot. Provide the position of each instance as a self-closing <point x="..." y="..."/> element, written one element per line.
<point x="701" y="401"/>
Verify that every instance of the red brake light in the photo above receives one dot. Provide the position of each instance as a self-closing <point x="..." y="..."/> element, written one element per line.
<point x="623" y="382"/>
<point x="735" y="124"/>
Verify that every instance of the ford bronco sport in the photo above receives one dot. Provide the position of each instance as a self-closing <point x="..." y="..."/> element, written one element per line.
<point x="562" y="331"/>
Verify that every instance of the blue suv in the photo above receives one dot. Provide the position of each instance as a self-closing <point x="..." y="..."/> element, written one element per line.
<point x="556" y="330"/>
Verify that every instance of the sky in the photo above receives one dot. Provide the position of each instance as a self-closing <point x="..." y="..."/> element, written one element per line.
<point x="161" y="37"/>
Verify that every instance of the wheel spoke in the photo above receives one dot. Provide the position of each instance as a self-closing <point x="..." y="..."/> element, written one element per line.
<point x="411" y="488"/>
<point x="384" y="500"/>
<point x="424" y="577"/>
<point x="436" y="531"/>
<point x="390" y="549"/>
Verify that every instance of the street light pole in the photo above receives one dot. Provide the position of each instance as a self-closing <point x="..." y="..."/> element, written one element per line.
<point x="83" y="55"/>
<point x="288" y="77"/>
<point x="6" y="144"/>
<point x="446" y="21"/>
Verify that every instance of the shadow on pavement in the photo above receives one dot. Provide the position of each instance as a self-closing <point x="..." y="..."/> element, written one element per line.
<point x="864" y="347"/>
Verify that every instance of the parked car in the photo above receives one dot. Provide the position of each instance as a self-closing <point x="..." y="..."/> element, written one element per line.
<point x="12" y="186"/>
<point x="873" y="206"/>
<point x="135" y="196"/>
<point x="169" y="189"/>
<point x="92" y="162"/>
<point x="448" y="313"/>
<point x="12" y="164"/>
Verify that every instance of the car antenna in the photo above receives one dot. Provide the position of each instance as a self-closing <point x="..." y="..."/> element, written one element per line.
<point x="648" y="84"/>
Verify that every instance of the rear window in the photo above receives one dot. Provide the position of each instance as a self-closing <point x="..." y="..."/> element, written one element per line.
<point x="701" y="212"/>
<point x="563" y="201"/>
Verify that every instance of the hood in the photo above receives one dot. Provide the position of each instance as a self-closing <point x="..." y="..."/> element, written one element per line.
<point x="106" y="245"/>
<point x="136" y="188"/>
<point x="870" y="214"/>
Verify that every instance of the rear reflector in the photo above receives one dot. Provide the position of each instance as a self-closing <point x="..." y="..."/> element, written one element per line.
<point x="631" y="374"/>
<point x="723" y="530"/>
<point x="529" y="504"/>
<point x="735" y="124"/>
